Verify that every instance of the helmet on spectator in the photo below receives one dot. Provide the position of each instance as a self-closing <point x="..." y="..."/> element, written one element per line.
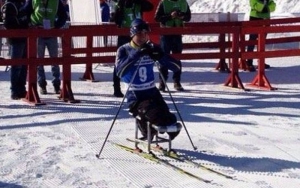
<point x="138" y="25"/>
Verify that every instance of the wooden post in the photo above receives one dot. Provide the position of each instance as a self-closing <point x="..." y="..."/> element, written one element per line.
<point x="222" y="66"/>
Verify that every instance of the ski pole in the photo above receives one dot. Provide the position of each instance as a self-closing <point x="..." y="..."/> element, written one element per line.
<point x="105" y="140"/>
<point x="171" y="97"/>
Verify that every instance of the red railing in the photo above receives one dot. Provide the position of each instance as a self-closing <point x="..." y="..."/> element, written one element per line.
<point x="263" y="27"/>
<point x="89" y="53"/>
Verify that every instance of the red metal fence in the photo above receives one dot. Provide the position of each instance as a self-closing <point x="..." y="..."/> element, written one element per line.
<point x="231" y="49"/>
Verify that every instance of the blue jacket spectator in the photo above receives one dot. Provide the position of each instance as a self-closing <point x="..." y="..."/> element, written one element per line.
<point x="105" y="12"/>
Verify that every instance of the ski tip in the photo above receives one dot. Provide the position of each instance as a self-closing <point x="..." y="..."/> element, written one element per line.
<point x="98" y="156"/>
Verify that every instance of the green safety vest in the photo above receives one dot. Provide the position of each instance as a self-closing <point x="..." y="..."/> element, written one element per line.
<point x="170" y="6"/>
<point x="257" y="6"/>
<point x="130" y="14"/>
<point x="44" y="9"/>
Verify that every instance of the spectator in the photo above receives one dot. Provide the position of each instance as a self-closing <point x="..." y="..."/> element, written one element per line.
<point x="105" y="12"/>
<point x="134" y="65"/>
<point x="67" y="8"/>
<point x="1" y="20"/>
<point x="126" y="11"/>
<point x="172" y="13"/>
<point x="15" y="19"/>
<point x="260" y="10"/>
<point x="112" y="9"/>
<point x="105" y="16"/>
<point x="47" y="15"/>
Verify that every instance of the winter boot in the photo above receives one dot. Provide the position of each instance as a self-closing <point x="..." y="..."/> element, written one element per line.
<point x="118" y="93"/>
<point x="43" y="90"/>
<point x="250" y="66"/>
<point x="178" y="87"/>
<point x="57" y="89"/>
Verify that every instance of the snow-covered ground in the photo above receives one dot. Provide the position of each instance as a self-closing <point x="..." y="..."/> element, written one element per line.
<point x="253" y="136"/>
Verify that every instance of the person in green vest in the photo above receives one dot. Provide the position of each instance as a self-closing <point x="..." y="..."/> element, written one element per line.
<point x="260" y="10"/>
<point x="47" y="14"/>
<point x="172" y="13"/>
<point x="125" y="12"/>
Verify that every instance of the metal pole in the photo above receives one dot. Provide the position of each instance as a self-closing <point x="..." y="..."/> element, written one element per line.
<point x="105" y="140"/>
<point x="171" y="97"/>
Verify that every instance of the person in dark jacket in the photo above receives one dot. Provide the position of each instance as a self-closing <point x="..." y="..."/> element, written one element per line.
<point x="47" y="14"/>
<point x="105" y="16"/>
<point x="260" y="10"/>
<point x="16" y="19"/>
<point x="172" y="13"/>
<point x="134" y="65"/>
<point x="126" y="11"/>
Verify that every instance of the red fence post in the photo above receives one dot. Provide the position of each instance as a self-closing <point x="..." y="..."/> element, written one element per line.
<point x="32" y="94"/>
<point x="88" y="74"/>
<point x="222" y="66"/>
<point x="242" y="62"/>
<point x="260" y="79"/>
<point x="234" y="78"/>
<point x="66" y="92"/>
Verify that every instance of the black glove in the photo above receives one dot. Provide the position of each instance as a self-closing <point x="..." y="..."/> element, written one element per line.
<point x="146" y="49"/>
<point x="156" y="53"/>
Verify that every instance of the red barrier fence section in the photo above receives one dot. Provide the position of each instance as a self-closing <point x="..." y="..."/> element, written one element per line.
<point x="90" y="53"/>
<point x="262" y="28"/>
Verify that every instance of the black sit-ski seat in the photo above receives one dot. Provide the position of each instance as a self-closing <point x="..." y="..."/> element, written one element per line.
<point x="176" y="127"/>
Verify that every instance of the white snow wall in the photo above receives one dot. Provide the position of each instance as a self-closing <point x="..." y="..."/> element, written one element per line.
<point x="85" y="11"/>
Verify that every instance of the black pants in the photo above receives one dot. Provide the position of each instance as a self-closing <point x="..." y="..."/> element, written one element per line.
<point x="171" y="43"/>
<point x="153" y="110"/>
<point x="18" y="73"/>
<point x="165" y="73"/>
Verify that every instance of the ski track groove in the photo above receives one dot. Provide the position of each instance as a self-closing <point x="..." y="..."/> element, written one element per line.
<point x="120" y="163"/>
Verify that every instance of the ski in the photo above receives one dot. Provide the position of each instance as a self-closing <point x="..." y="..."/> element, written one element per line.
<point x="156" y="159"/>
<point x="182" y="158"/>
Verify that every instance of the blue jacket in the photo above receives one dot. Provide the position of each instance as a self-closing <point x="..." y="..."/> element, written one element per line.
<point x="105" y="12"/>
<point x="136" y="68"/>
